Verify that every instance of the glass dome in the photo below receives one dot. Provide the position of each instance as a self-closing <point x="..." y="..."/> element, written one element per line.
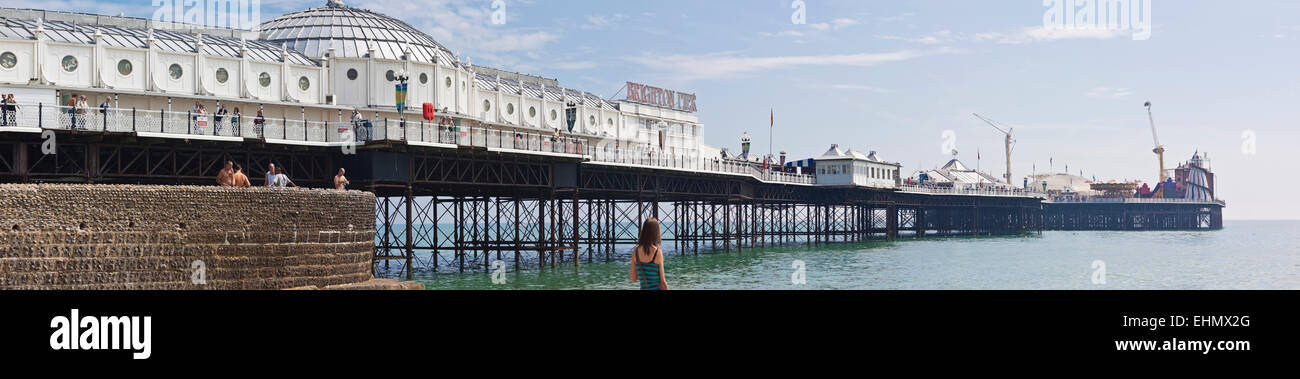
<point x="350" y="31"/>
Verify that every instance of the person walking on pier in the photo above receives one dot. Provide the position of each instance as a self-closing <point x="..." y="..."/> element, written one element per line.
<point x="647" y="260"/>
<point x="241" y="180"/>
<point x="10" y="108"/>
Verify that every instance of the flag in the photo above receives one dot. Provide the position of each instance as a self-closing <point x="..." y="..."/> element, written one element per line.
<point x="401" y="95"/>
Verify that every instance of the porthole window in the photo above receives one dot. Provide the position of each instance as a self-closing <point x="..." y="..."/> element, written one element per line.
<point x="124" y="67"/>
<point x="175" y="71"/>
<point x="591" y="120"/>
<point x="510" y="109"/>
<point x="609" y="122"/>
<point x="352" y="74"/>
<point x="222" y="75"/>
<point x="487" y="105"/>
<point x="448" y="82"/>
<point x="69" y="63"/>
<point x="424" y="78"/>
<point x="390" y="75"/>
<point x="554" y="115"/>
<point x="304" y="83"/>
<point x="8" y="60"/>
<point x="264" y="79"/>
<point x="532" y="112"/>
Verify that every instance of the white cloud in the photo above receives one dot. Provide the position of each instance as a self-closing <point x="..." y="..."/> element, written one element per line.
<point x="1042" y="34"/>
<point x="465" y="27"/>
<point x="942" y="36"/>
<point x="856" y="87"/>
<point x="820" y="26"/>
<point x="601" y="21"/>
<point x="1108" y="93"/>
<point x="840" y="23"/>
<point x="732" y="65"/>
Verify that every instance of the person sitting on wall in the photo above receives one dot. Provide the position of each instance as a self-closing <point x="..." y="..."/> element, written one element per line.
<point x="226" y="177"/>
<point x="270" y="175"/>
<point x="281" y="180"/>
<point x="240" y="180"/>
<point x="341" y="182"/>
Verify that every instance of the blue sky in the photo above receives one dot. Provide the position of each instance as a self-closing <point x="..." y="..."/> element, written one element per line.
<point x="892" y="76"/>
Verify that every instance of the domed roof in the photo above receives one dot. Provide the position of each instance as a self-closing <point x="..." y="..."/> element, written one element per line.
<point x="352" y="31"/>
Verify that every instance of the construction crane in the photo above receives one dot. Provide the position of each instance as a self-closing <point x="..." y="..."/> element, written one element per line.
<point x="1009" y="141"/>
<point x="1160" y="149"/>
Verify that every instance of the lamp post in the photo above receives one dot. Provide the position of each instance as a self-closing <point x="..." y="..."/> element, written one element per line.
<point x="402" y="77"/>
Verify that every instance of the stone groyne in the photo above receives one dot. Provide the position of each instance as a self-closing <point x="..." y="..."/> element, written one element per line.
<point x="128" y="237"/>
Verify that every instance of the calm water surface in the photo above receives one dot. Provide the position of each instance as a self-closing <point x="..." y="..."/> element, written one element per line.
<point x="1245" y="255"/>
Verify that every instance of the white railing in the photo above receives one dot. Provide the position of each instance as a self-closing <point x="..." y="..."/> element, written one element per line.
<point x="1104" y="200"/>
<point x="189" y="125"/>
<point x="182" y="124"/>
<point x="980" y="191"/>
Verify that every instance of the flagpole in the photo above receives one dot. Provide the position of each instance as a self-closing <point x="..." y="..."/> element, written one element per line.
<point x="769" y="133"/>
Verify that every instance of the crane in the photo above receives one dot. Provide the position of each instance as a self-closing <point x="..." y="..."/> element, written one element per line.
<point x="1160" y="149"/>
<point x="1009" y="141"/>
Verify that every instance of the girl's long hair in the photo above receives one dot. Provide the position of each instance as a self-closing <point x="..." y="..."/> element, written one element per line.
<point x="649" y="234"/>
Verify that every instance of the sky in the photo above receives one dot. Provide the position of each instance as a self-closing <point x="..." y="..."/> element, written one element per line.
<point x="895" y="76"/>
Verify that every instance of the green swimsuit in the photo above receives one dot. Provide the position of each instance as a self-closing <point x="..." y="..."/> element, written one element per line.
<point x="648" y="272"/>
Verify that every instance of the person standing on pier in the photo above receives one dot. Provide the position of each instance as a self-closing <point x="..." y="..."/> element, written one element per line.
<point x="647" y="260"/>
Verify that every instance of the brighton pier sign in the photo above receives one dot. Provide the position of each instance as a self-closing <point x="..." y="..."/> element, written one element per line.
<point x="659" y="97"/>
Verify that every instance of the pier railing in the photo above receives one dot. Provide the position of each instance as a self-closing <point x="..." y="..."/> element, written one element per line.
<point x="1103" y="200"/>
<point x="180" y="124"/>
<point x="974" y="191"/>
<point x="279" y="129"/>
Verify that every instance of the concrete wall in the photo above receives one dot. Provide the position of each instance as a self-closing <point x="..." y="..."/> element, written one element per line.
<point x="148" y="237"/>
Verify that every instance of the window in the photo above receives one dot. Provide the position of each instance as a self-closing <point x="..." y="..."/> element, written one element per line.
<point x="175" y="71"/>
<point x="352" y="74"/>
<point x="532" y="112"/>
<point x="304" y="83"/>
<point x="487" y="105"/>
<point x="222" y="75"/>
<point x="69" y="63"/>
<point x="424" y="78"/>
<point x="448" y="82"/>
<point x="8" y="60"/>
<point x="510" y="108"/>
<point x="124" y="67"/>
<point x="555" y="115"/>
<point x="264" y="79"/>
<point x="591" y="120"/>
<point x="390" y="76"/>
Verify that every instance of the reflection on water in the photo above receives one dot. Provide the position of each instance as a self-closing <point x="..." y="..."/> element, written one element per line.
<point x="1245" y="255"/>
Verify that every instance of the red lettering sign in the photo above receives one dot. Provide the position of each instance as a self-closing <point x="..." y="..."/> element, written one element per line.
<point x="643" y="94"/>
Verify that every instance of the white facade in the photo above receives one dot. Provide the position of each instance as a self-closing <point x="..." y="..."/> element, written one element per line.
<point x="318" y="78"/>
<point x="852" y="168"/>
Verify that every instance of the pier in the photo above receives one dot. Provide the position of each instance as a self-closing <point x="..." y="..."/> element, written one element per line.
<point x="459" y="198"/>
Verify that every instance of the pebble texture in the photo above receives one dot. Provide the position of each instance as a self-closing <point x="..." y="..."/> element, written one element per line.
<point x="128" y="237"/>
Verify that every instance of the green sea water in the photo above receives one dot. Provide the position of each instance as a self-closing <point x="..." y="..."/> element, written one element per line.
<point x="1244" y="255"/>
